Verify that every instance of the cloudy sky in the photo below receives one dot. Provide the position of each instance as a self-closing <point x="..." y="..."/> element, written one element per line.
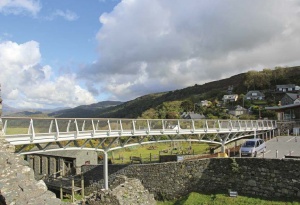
<point x="67" y="53"/>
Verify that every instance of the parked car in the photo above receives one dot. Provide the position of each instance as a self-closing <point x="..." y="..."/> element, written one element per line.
<point x="252" y="147"/>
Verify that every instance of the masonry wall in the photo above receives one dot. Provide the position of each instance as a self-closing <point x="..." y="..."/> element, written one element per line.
<point x="249" y="176"/>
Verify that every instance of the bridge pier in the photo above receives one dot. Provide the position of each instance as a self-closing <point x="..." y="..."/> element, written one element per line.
<point x="105" y="170"/>
<point x="223" y="146"/>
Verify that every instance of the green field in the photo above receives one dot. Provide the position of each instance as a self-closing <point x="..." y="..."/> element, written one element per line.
<point x="223" y="199"/>
<point x="151" y="152"/>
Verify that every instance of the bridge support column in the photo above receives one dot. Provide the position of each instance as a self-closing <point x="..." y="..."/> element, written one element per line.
<point x="223" y="146"/>
<point x="105" y="170"/>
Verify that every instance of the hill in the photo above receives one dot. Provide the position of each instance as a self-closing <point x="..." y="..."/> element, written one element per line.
<point x="85" y="111"/>
<point x="265" y="80"/>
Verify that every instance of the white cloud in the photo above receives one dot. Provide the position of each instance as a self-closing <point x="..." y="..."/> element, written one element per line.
<point x="188" y="42"/>
<point x="20" y="6"/>
<point x="25" y="83"/>
<point x="67" y="15"/>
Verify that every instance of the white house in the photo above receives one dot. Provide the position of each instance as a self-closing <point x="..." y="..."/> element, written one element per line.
<point x="230" y="98"/>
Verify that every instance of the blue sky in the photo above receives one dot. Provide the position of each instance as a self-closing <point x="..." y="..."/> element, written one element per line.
<point x="61" y="53"/>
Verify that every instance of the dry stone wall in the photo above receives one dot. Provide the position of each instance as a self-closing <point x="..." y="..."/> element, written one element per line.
<point x="248" y="176"/>
<point x="17" y="183"/>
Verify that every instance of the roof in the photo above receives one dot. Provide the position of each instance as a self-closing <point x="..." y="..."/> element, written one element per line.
<point x="238" y="107"/>
<point x="230" y="96"/>
<point x="284" y="107"/>
<point x="293" y="96"/>
<point x="256" y="139"/>
<point x="255" y="91"/>
<point x="196" y="116"/>
<point x="286" y="86"/>
<point x="192" y="115"/>
<point x="62" y="153"/>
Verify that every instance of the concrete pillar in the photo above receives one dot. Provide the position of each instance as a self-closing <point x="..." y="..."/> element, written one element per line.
<point x="30" y="161"/>
<point x="61" y="166"/>
<point x="223" y="146"/>
<point x="44" y="165"/>
<point x="52" y="165"/>
<point x="105" y="170"/>
<point x="36" y="162"/>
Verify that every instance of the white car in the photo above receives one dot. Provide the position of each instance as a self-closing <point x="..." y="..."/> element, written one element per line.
<point x="252" y="147"/>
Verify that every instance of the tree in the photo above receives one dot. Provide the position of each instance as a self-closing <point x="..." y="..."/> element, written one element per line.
<point x="150" y="114"/>
<point x="187" y="106"/>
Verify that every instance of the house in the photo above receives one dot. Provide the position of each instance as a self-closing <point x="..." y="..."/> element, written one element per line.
<point x="289" y="98"/>
<point x="288" y="108"/>
<point x="238" y="110"/>
<point x="230" y="98"/>
<point x="254" y="95"/>
<point x="297" y="101"/>
<point x="62" y="162"/>
<point x="287" y="88"/>
<point x="205" y="103"/>
<point x="192" y="115"/>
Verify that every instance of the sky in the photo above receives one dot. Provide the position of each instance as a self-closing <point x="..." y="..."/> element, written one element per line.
<point x="66" y="53"/>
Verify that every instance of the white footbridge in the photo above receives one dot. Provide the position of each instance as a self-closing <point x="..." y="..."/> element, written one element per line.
<point x="105" y="135"/>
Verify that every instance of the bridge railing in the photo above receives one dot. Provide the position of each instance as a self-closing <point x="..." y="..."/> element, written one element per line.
<point x="53" y="129"/>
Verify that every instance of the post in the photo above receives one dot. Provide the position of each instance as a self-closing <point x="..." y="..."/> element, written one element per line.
<point x="234" y="147"/>
<point x="105" y="170"/>
<point x="254" y="134"/>
<point x="82" y="186"/>
<point x="228" y="151"/>
<point x="276" y="153"/>
<point x="223" y="146"/>
<point x="73" y="194"/>
<point x="61" y="190"/>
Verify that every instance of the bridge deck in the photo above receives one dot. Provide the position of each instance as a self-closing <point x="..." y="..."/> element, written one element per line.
<point x="118" y="133"/>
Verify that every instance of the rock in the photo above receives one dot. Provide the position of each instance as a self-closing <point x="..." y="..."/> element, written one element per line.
<point x="125" y="191"/>
<point x="17" y="183"/>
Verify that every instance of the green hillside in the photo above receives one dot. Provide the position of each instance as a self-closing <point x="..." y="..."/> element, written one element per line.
<point x="264" y="81"/>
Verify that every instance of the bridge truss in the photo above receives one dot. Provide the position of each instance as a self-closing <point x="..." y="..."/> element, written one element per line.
<point x="110" y="134"/>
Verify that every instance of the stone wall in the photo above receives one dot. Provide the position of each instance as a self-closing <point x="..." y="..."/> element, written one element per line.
<point x="286" y="127"/>
<point x="248" y="176"/>
<point x="17" y="183"/>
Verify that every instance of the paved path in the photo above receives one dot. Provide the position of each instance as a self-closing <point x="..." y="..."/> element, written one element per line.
<point x="285" y="145"/>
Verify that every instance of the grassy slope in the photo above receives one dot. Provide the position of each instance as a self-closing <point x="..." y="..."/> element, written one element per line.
<point x="211" y="90"/>
<point x="223" y="199"/>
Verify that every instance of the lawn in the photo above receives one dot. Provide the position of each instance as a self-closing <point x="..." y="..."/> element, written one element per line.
<point x="223" y="199"/>
<point x="151" y="152"/>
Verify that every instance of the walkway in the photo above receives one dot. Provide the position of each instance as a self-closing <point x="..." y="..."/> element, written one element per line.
<point x="109" y="134"/>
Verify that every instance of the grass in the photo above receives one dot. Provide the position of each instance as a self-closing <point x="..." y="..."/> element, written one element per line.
<point x="223" y="199"/>
<point x="154" y="150"/>
<point x="68" y="198"/>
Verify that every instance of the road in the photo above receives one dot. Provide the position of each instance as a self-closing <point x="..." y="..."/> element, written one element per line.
<point x="284" y="145"/>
